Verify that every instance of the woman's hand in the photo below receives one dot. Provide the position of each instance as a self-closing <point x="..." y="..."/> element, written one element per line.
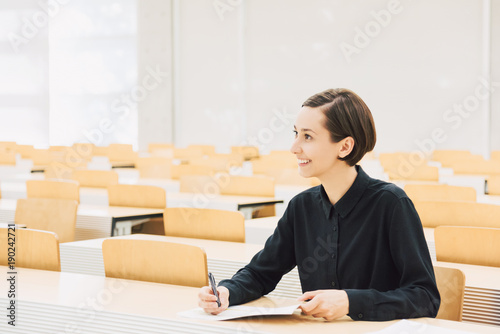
<point x="208" y="302"/>
<point x="328" y="304"/>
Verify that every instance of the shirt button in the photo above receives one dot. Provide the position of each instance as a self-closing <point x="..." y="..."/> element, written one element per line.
<point x="335" y="228"/>
<point x="333" y="256"/>
<point x="333" y="283"/>
<point x="360" y="316"/>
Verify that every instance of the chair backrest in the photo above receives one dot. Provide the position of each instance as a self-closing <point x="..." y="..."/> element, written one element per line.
<point x="48" y="214"/>
<point x="451" y="285"/>
<point x="469" y="245"/>
<point x="62" y="189"/>
<point x="291" y="176"/>
<point x="33" y="249"/>
<point x="494" y="185"/>
<point x="7" y="158"/>
<point x="179" y="170"/>
<point x="439" y="192"/>
<point x="458" y="213"/>
<point x="476" y="165"/>
<point x="247" y="186"/>
<point x="418" y="173"/>
<point x="199" y="184"/>
<point x="137" y="196"/>
<point x="154" y="167"/>
<point x="448" y="157"/>
<point x="248" y="152"/>
<point x="205" y="149"/>
<point x="95" y="178"/>
<point x="155" y="261"/>
<point x="204" y="224"/>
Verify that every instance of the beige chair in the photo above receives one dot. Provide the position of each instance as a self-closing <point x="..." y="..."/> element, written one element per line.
<point x="494" y="185"/>
<point x="247" y="186"/>
<point x="451" y="285"/>
<point x="458" y="213"/>
<point x="95" y="178"/>
<point x="266" y="163"/>
<point x="62" y="189"/>
<point x="495" y="155"/>
<point x="155" y="261"/>
<point x="469" y="245"/>
<point x="137" y="196"/>
<point x="179" y="170"/>
<point x="33" y="249"/>
<point x="476" y="165"/>
<point x="8" y="158"/>
<point x="84" y="150"/>
<point x="205" y="149"/>
<point x="154" y="167"/>
<point x="291" y="176"/>
<point x="152" y="147"/>
<point x="48" y="214"/>
<point x="199" y="184"/>
<point x="204" y="224"/>
<point x="439" y="192"/>
<point x="448" y="157"/>
<point x="248" y="152"/>
<point x="121" y="154"/>
<point x="187" y="153"/>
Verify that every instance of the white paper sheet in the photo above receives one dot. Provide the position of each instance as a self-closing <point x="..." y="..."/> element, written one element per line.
<point x="239" y="311"/>
<point x="413" y="327"/>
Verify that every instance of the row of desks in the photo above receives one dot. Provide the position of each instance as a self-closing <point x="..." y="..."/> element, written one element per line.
<point x="78" y="303"/>
<point x="482" y="295"/>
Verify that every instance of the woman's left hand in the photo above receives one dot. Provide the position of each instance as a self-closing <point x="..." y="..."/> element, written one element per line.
<point x="328" y="304"/>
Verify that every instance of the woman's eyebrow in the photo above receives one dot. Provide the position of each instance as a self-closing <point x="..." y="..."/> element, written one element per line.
<point x="304" y="129"/>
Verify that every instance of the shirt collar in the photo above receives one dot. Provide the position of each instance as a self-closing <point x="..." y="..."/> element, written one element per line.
<point x="350" y="198"/>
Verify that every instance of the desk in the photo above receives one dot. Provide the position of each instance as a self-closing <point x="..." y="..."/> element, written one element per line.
<point x="111" y="305"/>
<point x="482" y="292"/>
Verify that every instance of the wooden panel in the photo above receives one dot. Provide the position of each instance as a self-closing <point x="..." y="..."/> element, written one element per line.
<point x="204" y="224"/>
<point x="155" y="261"/>
<point x="469" y="245"/>
<point x="448" y="157"/>
<point x="247" y="186"/>
<point x="451" y="286"/>
<point x="458" y="213"/>
<point x="95" y="178"/>
<point x="66" y="189"/>
<point x="494" y="185"/>
<point x="137" y="196"/>
<point x="54" y="215"/>
<point x="440" y="192"/>
<point x="33" y="249"/>
<point x="154" y="167"/>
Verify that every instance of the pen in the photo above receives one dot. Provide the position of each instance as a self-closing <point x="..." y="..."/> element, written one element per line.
<point x="214" y="287"/>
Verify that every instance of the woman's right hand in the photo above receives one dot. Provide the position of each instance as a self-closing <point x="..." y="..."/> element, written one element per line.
<point x="208" y="302"/>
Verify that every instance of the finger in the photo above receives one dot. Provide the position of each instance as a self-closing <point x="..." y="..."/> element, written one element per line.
<point x="310" y="307"/>
<point x="308" y="295"/>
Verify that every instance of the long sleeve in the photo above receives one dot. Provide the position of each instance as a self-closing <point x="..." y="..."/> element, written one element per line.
<point x="266" y="268"/>
<point x="417" y="295"/>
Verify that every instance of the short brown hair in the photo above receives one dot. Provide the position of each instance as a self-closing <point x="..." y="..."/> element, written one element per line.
<point x="347" y="115"/>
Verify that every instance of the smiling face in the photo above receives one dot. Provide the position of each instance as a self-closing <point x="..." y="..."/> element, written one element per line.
<point x="317" y="155"/>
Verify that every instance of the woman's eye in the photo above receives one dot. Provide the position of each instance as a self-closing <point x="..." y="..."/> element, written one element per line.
<point x="295" y="133"/>
<point x="308" y="136"/>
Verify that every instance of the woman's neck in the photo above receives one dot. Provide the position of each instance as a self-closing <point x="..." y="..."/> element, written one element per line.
<point x="338" y="182"/>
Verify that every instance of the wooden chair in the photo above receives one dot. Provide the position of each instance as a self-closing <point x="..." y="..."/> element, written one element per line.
<point x="204" y="224"/>
<point x="121" y="154"/>
<point x="247" y="185"/>
<point x="458" y="213"/>
<point x="137" y="196"/>
<point x="179" y="170"/>
<point x="154" y="167"/>
<point x="205" y="149"/>
<point x="155" y="261"/>
<point x="469" y="245"/>
<point x="476" y="165"/>
<point x="248" y="152"/>
<point x="448" y="157"/>
<point x="263" y="164"/>
<point x="152" y="147"/>
<point x="439" y="192"/>
<point x="33" y="249"/>
<point x="495" y="155"/>
<point x="95" y="178"/>
<point x="417" y="173"/>
<point x="187" y="153"/>
<point x="199" y="184"/>
<point x="451" y="285"/>
<point x="48" y="214"/>
<point x="494" y="185"/>
<point x="291" y="176"/>
<point x="62" y="189"/>
<point x="8" y="158"/>
<point x="84" y="150"/>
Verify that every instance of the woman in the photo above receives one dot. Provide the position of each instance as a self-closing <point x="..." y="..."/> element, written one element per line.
<point x="358" y="242"/>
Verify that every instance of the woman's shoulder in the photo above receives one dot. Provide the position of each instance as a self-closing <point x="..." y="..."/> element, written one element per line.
<point x="385" y="189"/>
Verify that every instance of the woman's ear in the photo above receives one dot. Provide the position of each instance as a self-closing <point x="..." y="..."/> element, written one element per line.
<point x="346" y="147"/>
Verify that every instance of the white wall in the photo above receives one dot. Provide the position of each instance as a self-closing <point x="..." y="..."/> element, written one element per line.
<point x="495" y="75"/>
<point x="243" y="69"/>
